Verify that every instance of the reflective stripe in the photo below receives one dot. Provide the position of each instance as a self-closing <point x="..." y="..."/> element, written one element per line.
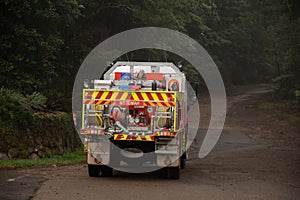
<point x="133" y="138"/>
<point x="146" y="97"/>
<point x="114" y="95"/>
<point x="135" y="97"/>
<point x="155" y="97"/>
<point x="124" y="96"/>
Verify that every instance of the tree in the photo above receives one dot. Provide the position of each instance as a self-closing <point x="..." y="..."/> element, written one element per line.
<point x="31" y="41"/>
<point x="283" y="52"/>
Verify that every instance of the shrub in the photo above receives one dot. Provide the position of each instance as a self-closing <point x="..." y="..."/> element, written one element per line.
<point x="25" y="129"/>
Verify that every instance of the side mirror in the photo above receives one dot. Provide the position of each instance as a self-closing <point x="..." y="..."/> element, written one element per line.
<point x="86" y="83"/>
<point x="194" y="98"/>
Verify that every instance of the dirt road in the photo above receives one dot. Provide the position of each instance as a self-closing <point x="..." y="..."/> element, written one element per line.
<point x="257" y="157"/>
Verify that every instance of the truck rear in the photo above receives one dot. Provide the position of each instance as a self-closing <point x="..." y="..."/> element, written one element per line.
<point x="136" y="119"/>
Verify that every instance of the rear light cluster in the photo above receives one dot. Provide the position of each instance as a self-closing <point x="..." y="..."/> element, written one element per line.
<point x="91" y="131"/>
<point x="165" y="133"/>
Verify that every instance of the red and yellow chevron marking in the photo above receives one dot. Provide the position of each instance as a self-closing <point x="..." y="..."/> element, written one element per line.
<point x="147" y="98"/>
<point x="136" y="138"/>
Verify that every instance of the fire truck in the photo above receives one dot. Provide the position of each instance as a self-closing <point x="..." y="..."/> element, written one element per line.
<point x="135" y="118"/>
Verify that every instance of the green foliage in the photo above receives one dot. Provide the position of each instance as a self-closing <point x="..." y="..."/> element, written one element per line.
<point x="31" y="41"/>
<point x="286" y="109"/>
<point x="283" y="53"/>
<point x="23" y="127"/>
<point x="13" y="111"/>
<point x="37" y="101"/>
<point x="294" y="120"/>
<point x="43" y="43"/>
<point x="242" y="55"/>
<point x="297" y="96"/>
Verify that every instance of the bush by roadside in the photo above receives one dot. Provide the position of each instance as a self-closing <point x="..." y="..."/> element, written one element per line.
<point x="27" y="130"/>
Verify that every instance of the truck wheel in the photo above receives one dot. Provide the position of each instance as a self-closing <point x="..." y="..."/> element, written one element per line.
<point x="183" y="161"/>
<point x="106" y="171"/>
<point x="94" y="170"/>
<point x="163" y="172"/>
<point x="173" y="172"/>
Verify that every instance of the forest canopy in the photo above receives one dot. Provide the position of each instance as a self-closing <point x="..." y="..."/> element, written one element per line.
<point x="43" y="43"/>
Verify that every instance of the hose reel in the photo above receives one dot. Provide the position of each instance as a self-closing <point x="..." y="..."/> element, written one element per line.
<point x="164" y="117"/>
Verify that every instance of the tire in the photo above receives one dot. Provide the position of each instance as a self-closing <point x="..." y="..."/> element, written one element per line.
<point x="94" y="170"/>
<point x="163" y="173"/>
<point x="106" y="171"/>
<point x="183" y="161"/>
<point x="173" y="172"/>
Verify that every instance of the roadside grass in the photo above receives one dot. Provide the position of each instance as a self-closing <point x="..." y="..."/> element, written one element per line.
<point x="287" y="110"/>
<point x="267" y="105"/>
<point x="294" y="119"/>
<point x="251" y="86"/>
<point x="67" y="158"/>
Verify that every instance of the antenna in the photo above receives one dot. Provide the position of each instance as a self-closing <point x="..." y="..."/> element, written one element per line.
<point x="166" y="59"/>
<point x="149" y="56"/>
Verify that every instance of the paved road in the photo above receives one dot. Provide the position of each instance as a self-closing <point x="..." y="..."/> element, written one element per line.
<point x="16" y="185"/>
<point x="73" y="182"/>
